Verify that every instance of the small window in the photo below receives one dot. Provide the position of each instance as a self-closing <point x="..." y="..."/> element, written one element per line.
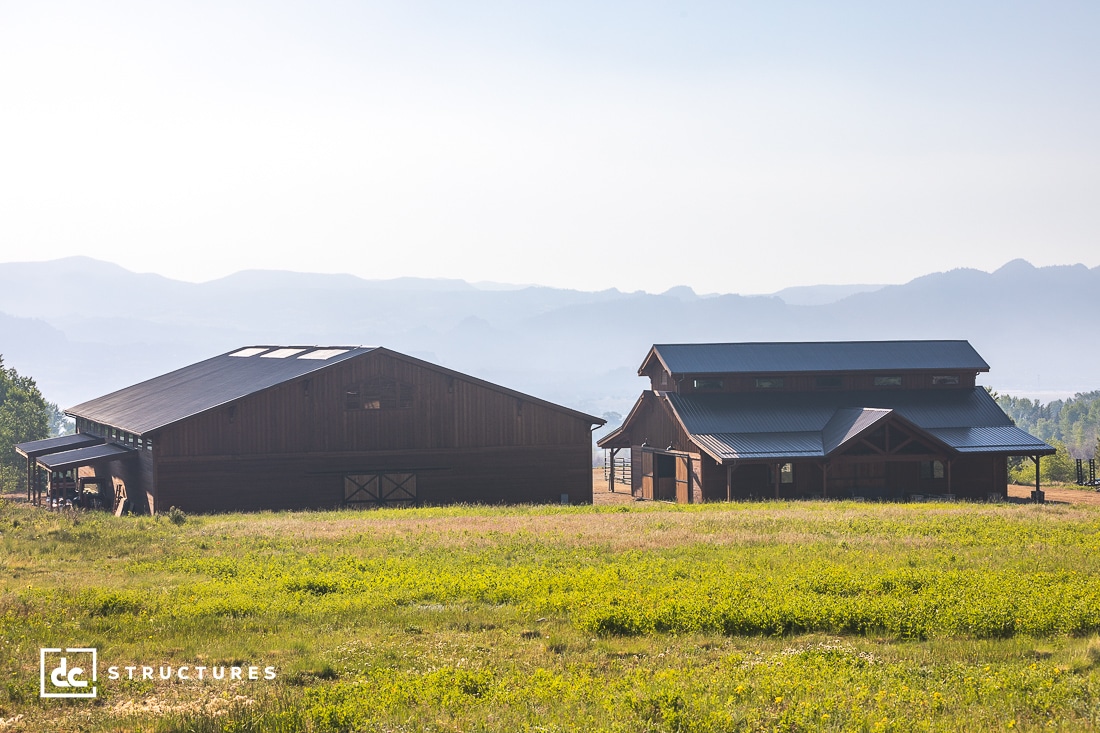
<point x="945" y="380"/>
<point x="828" y="382"/>
<point x="931" y="470"/>
<point x="786" y="473"/>
<point x="351" y="399"/>
<point x="664" y="379"/>
<point x="711" y="384"/>
<point x="890" y="381"/>
<point x="769" y="382"/>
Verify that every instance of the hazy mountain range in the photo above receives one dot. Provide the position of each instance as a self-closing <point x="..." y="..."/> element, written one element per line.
<point x="84" y="327"/>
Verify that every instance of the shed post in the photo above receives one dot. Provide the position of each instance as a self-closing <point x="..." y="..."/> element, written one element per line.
<point x="778" y="467"/>
<point x="611" y="471"/>
<point x="824" y="480"/>
<point x="1037" y="495"/>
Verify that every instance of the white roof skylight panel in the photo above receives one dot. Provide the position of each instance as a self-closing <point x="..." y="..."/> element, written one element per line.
<point x="324" y="353"/>
<point x="250" y="351"/>
<point x="282" y="353"/>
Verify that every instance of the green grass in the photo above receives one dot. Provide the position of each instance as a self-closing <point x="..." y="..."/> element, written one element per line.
<point x="794" y="616"/>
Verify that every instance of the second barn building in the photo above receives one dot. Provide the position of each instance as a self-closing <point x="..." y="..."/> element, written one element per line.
<point x="868" y="419"/>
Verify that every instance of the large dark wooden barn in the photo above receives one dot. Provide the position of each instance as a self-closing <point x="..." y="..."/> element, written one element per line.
<point x="874" y="420"/>
<point x="269" y="427"/>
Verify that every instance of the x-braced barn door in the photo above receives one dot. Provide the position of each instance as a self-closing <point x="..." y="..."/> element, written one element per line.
<point x="380" y="489"/>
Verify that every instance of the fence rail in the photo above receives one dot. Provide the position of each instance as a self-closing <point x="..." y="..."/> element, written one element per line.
<point x="622" y="471"/>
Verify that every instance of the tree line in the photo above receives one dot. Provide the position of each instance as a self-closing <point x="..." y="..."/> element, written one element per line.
<point x="1072" y="426"/>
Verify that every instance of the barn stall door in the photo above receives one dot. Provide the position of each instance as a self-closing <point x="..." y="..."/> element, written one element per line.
<point x="648" y="479"/>
<point x="380" y="489"/>
<point x="683" y="480"/>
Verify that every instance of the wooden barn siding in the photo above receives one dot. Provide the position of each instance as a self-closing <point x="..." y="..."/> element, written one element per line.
<point x="309" y="414"/>
<point x="655" y="424"/>
<point x="530" y="474"/>
<point x="807" y="382"/>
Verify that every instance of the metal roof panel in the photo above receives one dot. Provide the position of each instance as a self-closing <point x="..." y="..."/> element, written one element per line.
<point x="171" y="397"/>
<point x="84" y="456"/>
<point x="818" y="356"/>
<point x="35" y="448"/>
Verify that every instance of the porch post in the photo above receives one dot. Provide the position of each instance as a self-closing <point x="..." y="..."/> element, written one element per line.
<point x="729" y="482"/>
<point x="777" y="467"/>
<point x="611" y="471"/>
<point x="1037" y="495"/>
<point x="824" y="480"/>
<point x="949" y="489"/>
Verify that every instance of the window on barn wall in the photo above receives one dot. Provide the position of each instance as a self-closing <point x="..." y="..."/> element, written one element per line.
<point x="786" y="473"/>
<point x="705" y="384"/>
<point x="828" y="382"/>
<point x="931" y="470"/>
<point x="945" y="380"/>
<point x="769" y="382"/>
<point x="892" y="380"/>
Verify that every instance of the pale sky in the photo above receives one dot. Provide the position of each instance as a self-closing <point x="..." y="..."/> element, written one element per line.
<point x="728" y="146"/>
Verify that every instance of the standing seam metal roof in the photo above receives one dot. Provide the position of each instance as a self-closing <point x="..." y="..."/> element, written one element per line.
<point x="824" y="356"/>
<point x="790" y="424"/>
<point x="172" y="397"/>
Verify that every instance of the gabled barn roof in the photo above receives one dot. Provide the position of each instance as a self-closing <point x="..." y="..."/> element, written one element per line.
<point x="786" y="425"/>
<point x="178" y="395"/>
<point x="172" y="397"/>
<point x="819" y="424"/>
<point x="825" y="356"/>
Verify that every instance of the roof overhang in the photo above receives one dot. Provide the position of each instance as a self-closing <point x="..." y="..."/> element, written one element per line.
<point x="35" y="448"/>
<point x="92" y="455"/>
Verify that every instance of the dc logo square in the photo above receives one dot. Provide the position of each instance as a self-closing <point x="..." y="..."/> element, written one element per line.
<point x="68" y="672"/>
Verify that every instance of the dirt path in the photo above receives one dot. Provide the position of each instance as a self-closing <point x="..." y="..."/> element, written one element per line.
<point x="1067" y="496"/>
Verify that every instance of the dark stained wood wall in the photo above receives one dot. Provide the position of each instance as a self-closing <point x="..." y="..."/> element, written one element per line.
<point x="289" y="447"/>
<point x="309" y="415"/>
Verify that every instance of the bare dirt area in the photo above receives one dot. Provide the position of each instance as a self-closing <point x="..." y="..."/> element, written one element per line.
<point x="602" y="495"/>
<point x="1053" y="493"/>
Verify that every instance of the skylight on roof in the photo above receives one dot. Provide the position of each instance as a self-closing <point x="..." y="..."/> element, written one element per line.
<point x="282" y="353"/>
<point x="324" y="353"/>
<point x="251" y="351"/>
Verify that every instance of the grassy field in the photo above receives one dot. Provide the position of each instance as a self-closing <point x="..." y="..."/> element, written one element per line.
<point x="788" y="617"/>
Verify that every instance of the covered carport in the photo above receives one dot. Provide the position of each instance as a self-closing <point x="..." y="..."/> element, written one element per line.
<point x="53" y="465"/>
